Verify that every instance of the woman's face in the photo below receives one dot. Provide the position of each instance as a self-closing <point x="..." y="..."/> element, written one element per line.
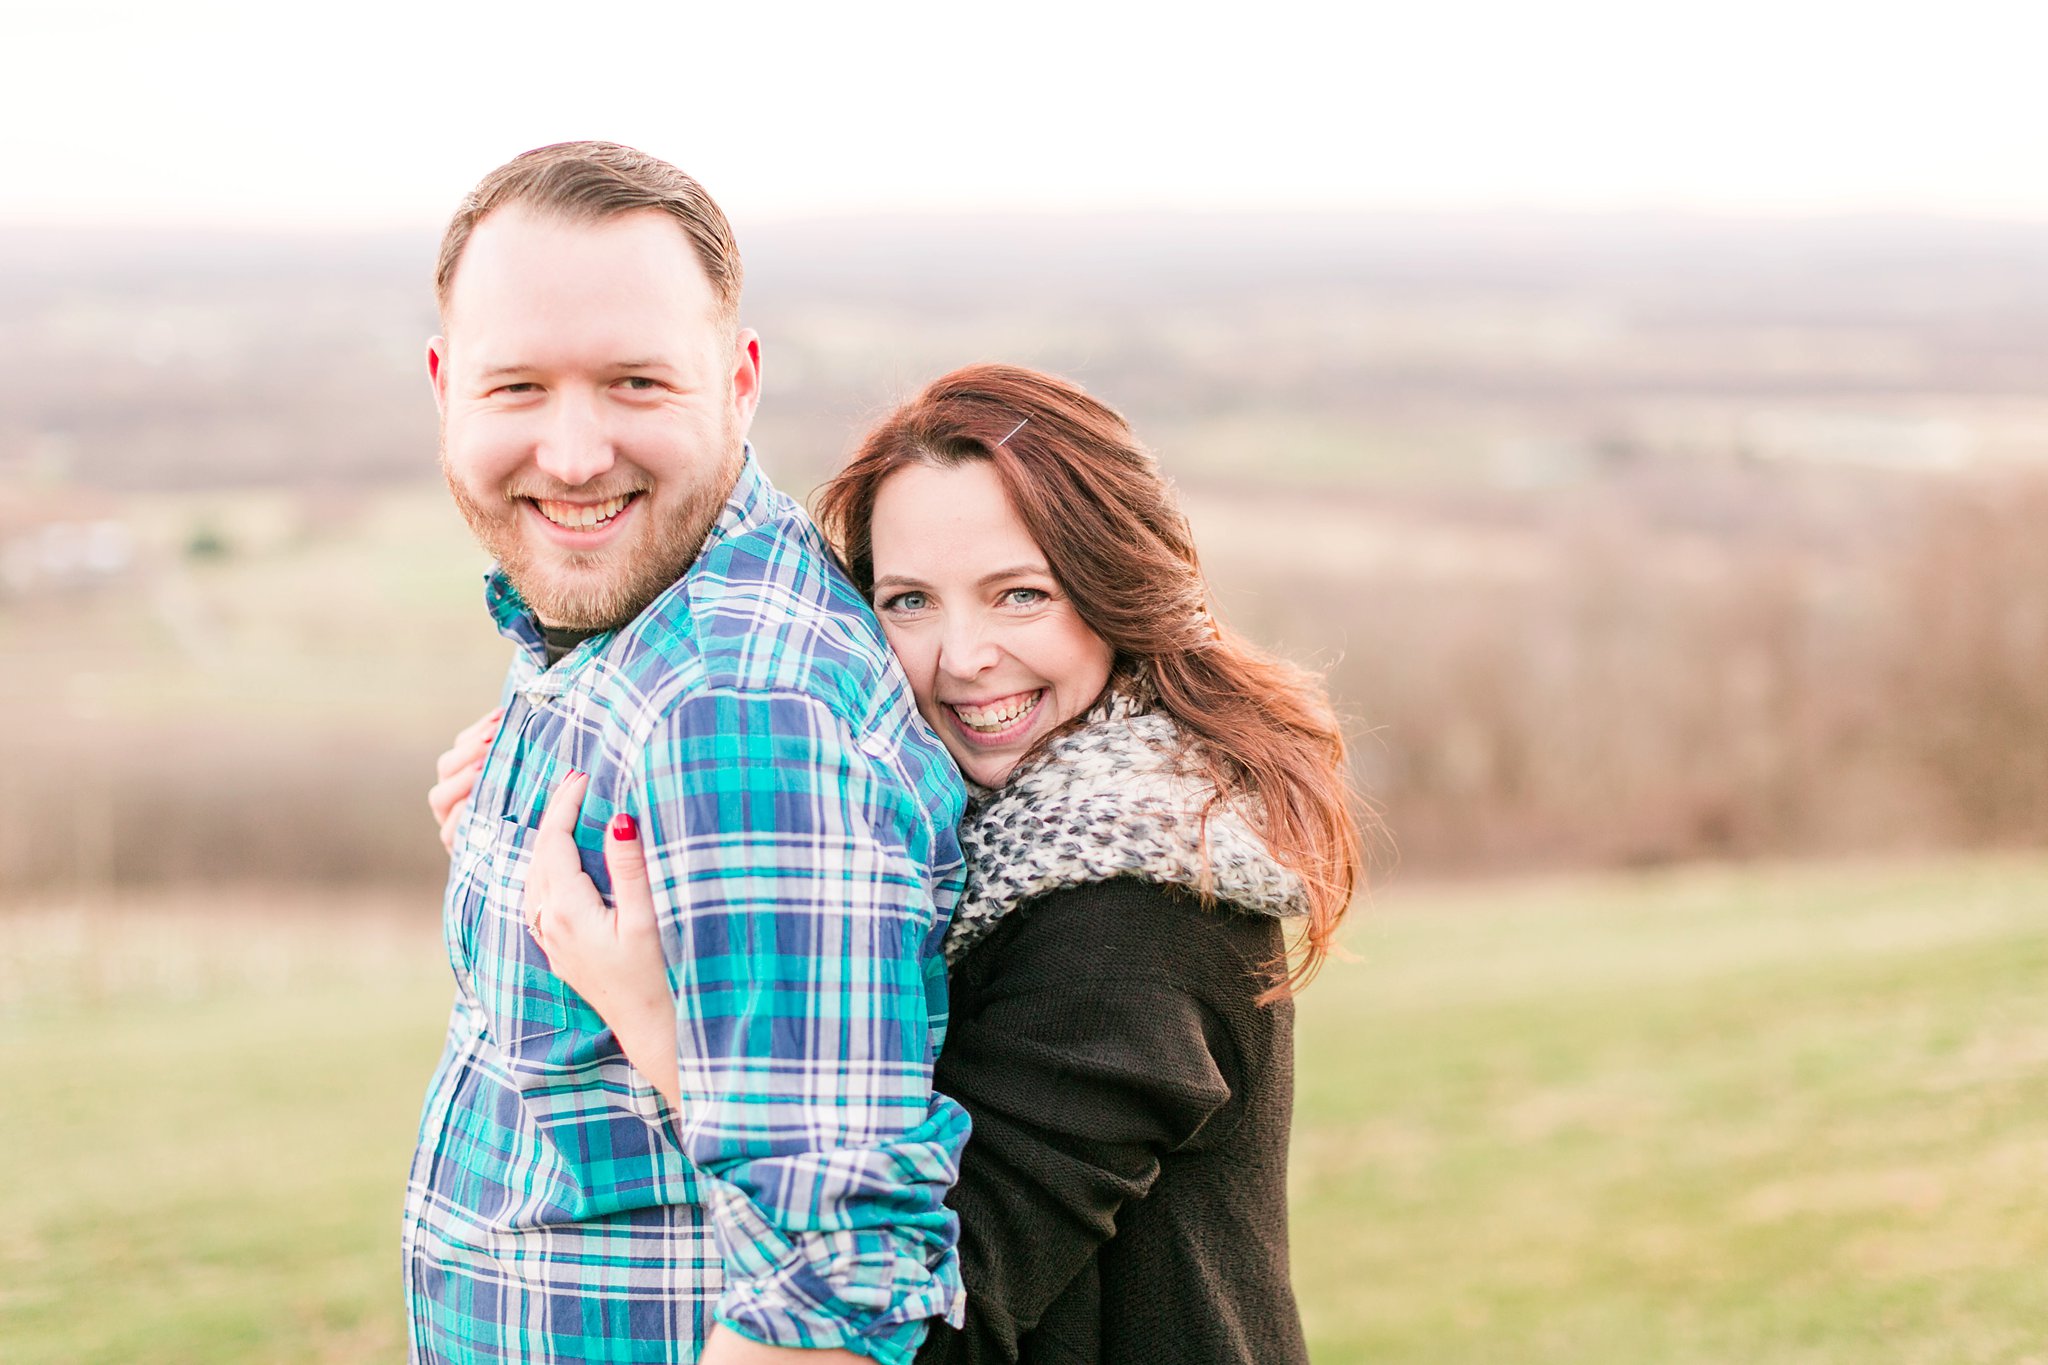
<point x="996" y="654"/>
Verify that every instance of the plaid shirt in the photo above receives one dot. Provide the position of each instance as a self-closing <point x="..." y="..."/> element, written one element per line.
<point x="799" y="822"/>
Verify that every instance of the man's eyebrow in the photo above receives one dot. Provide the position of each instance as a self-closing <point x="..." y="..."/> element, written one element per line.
<point x="500" y="371"/>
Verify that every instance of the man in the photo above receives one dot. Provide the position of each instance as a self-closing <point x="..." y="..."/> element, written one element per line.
<point x="685" y="641"/>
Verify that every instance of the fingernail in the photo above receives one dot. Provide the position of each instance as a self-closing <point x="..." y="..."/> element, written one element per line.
<point x="625" y="826"/>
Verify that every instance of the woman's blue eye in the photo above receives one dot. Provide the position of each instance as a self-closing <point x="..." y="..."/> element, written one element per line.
<point x="1025" y="597"/>
<point x="905" y="601"/>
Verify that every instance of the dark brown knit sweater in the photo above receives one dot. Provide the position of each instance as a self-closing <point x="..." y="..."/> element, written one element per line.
<point x="1123" y="1195"/>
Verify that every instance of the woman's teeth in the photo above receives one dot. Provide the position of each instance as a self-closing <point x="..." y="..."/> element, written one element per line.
<point x="996" y="715"/>
<point x="581" y="516"/>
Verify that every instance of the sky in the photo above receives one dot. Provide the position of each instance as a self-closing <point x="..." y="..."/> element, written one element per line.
<point x="380" y="115"/>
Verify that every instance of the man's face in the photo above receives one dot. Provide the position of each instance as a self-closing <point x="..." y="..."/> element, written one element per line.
<point x="593" y="407"/>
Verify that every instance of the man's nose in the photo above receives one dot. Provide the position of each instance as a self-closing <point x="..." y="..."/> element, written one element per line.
<point x="574" y="446"/>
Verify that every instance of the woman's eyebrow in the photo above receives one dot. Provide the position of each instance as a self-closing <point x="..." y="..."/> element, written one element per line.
<point x="897" y="580"/>
<point x="1014" y="571"/>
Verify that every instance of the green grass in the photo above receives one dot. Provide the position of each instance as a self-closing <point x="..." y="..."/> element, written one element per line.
<point x="211" y="1117"/>
<point x="1788" y="1116"/>
<point x="1733" y="1116"/>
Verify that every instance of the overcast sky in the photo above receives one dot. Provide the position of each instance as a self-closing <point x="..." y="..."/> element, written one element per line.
<point x="376" y="114"/>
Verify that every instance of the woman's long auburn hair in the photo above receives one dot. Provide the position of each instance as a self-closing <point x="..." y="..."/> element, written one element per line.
<point x="1106" y="520"/>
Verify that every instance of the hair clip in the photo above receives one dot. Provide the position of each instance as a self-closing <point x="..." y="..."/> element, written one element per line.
<point x="1012" y="432"/>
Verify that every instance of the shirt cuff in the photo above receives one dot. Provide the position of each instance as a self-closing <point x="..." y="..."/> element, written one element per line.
<point x="869" y="1291"/>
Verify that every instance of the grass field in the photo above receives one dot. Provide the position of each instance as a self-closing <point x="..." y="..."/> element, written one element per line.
<point x="1784" y="1115"/>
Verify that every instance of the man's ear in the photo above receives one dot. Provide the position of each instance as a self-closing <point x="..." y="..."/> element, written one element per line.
<point x="746" y="378"/>
<point x="437" y="371"/>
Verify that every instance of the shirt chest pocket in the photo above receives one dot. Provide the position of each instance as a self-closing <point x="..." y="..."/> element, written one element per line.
<point x="532" y="1014"/>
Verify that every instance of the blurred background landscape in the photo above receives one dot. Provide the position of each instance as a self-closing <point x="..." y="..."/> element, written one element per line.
<point x="1625" y="539"/>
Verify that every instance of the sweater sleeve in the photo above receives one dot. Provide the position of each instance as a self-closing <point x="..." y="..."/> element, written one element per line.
<point x="1094" y="1051"/>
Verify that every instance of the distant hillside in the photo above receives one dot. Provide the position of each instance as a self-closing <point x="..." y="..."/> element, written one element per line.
<point x="1389" y="352"/>
<point x="1620" y="541"/>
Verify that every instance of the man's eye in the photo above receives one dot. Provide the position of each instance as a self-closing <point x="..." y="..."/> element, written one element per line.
<point x="640" y="383"/>
<point x="521" y="387"/>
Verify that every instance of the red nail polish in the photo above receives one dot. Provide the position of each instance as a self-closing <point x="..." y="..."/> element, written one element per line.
<point x="625" y="826"/>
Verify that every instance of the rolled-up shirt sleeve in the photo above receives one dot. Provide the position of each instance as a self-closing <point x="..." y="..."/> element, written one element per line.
<point x="794" y="874"/>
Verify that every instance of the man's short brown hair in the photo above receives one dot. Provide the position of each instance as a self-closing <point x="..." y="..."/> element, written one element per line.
<point x="589" y="182"/>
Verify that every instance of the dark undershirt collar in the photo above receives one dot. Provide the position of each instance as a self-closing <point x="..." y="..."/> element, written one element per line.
<point x="560" y="641"/>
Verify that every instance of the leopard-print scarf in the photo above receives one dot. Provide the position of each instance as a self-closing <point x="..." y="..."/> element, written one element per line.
<point x="1111" y="798"/>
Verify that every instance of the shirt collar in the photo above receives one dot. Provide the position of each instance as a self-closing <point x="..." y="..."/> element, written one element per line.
<point x="745" y="508"/>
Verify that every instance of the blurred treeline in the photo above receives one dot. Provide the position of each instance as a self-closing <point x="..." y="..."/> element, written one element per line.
<point x="1622" y="540"/>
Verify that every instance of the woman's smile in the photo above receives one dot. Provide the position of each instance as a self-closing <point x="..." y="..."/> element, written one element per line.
<point x="1000" y="719"/>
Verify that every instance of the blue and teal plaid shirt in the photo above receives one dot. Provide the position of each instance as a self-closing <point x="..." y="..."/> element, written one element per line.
<point x="799" y="822"/>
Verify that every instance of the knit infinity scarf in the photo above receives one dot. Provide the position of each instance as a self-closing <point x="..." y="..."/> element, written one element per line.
<point x="1111" y="798"/>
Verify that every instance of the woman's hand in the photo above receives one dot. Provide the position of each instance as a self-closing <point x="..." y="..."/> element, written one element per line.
<point x="456" y="771"/>
<point x="612" y="958"/>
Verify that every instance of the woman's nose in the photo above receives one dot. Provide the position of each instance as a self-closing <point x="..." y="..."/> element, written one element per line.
<point x="967" y="649"/>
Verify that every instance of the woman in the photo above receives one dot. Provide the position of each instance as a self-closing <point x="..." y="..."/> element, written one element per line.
<point x="1153" y="798"/>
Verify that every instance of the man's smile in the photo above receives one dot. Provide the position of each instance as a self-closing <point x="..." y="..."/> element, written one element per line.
<point x="578" y="516"/>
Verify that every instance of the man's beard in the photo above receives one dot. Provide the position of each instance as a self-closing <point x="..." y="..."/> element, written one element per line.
<point x="567" y="589"/>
